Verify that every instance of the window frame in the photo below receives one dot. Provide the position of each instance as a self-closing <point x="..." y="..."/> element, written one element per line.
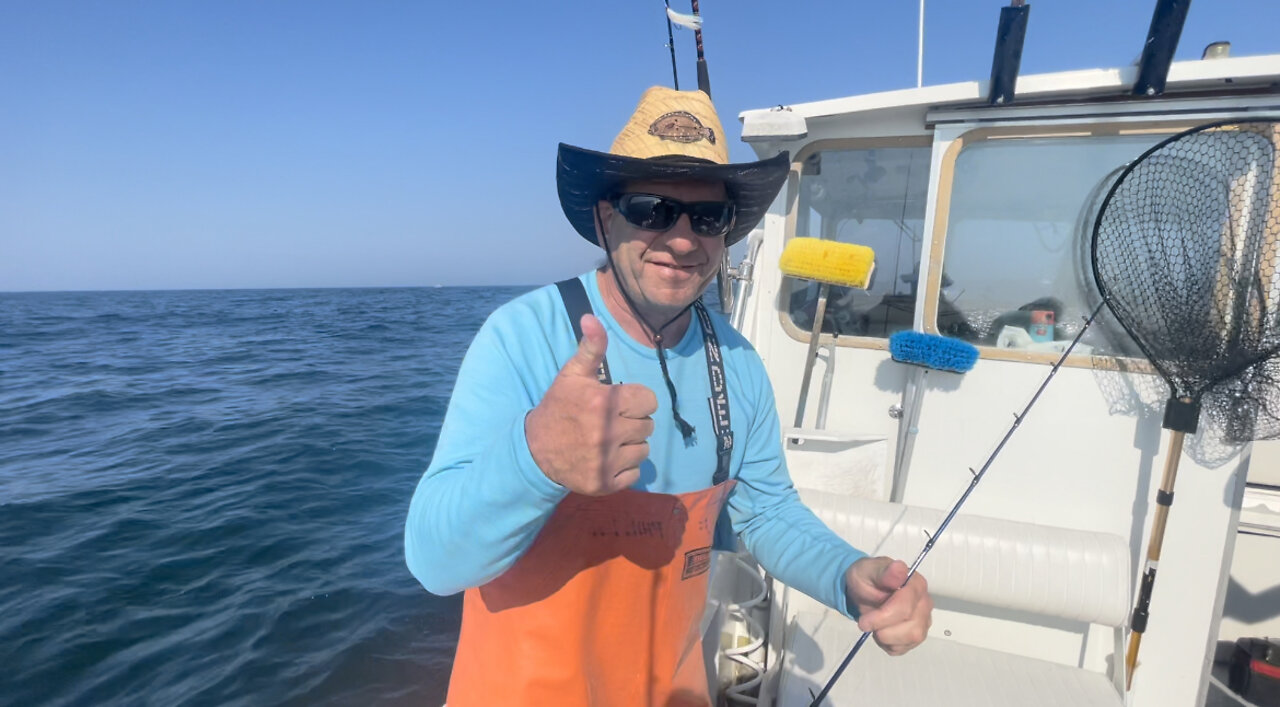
<point x="939" y="208"/>
<point x="941" y="220"/>
<point x="793" y="218"/>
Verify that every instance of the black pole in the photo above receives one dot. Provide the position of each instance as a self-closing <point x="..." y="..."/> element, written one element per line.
<point x="671" y="44"/>
<point x="1008" y="55"/>
<point x="704" y="81"/>
<point x="1162" y="42"/>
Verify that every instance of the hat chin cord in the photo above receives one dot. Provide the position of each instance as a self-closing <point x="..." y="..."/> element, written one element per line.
<point x="686" y="430"/>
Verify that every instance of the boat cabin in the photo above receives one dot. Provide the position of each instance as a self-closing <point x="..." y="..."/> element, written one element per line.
<point x="980" y="213"/>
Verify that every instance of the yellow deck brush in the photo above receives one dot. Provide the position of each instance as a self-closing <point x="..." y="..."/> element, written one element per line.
<point x="826" y="263"/>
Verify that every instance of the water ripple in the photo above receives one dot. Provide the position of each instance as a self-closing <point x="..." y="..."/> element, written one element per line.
<point x="202" y="494"/>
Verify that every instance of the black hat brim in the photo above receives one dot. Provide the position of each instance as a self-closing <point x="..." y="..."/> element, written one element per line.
<point x="584" y="177"/>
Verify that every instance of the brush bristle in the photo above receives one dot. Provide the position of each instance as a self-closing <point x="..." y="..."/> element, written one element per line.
<point x="832" y="262"/>
<point x="932" y="351"/>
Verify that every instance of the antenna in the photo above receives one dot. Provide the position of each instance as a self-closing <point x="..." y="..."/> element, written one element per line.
<point x="671" y="44"/>
<point x="920" y="50"/>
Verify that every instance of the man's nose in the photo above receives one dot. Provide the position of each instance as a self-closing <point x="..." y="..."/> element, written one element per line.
<point x="681" y="238"/>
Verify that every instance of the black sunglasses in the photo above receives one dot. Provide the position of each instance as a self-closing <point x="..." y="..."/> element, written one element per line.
<point x="652" y="212"/>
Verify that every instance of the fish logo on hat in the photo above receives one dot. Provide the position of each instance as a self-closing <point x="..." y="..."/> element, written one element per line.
<point x="681" y="126"/>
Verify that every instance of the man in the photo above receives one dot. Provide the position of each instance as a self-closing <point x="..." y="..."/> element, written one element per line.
<point x="580" y="476"/>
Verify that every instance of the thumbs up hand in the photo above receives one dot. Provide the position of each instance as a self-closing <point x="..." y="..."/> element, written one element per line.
<point x="587" y="436"/>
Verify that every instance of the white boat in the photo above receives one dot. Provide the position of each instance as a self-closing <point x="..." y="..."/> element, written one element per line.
<point x="989" y="207"/>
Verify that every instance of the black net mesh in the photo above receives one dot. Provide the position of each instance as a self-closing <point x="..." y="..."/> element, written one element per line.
<point x="1185" y="254"/>
<point x="1143" y="395"/>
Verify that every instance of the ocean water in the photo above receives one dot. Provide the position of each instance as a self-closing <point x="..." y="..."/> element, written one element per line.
<point x="202" y="494"/>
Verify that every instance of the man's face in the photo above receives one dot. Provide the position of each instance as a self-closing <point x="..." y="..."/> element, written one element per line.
<point x="664" y="272"/>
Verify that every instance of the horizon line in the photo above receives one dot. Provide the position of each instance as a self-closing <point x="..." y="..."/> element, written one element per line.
<point x="255" y="289"/>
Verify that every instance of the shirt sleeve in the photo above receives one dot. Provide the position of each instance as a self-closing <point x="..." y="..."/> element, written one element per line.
<point x="483" y="499"/>
<point x="788" y="540"/>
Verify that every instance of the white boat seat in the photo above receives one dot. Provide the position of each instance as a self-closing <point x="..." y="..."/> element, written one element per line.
<point x="938" y="672"/>
<point x="1071" y="574"/>
<point x="1038" y="570"/>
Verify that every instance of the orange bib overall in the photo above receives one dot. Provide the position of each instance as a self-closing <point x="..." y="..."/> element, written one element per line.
<point x="603" y="609"/>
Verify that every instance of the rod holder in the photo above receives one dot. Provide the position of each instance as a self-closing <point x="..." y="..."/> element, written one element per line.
<point x="1008" y="55"/>
<point x="1162" y="41"/>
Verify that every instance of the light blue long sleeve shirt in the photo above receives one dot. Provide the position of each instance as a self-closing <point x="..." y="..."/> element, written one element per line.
<point x="483" y="499"/>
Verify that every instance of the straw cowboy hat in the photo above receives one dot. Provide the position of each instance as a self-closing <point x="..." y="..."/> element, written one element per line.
<point x="673" y="135"/>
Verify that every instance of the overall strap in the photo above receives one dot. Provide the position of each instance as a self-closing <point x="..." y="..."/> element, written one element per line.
<point x="719" y="400"/>
<point x="576" y="304"/>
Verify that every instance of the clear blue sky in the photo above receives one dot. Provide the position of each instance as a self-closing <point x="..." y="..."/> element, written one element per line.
<point x="241" y="143"/>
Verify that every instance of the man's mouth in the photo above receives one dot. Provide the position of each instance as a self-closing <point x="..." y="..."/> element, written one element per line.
<point x="676" y="267"/>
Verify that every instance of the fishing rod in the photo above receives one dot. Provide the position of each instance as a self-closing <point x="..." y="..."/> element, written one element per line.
<point x="693" y="22"/>
<point x="977" y="476"/>
<point x="704" y="81"/>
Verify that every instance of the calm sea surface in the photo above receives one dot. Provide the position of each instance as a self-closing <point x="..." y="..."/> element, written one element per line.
<point x="202" y="494"/>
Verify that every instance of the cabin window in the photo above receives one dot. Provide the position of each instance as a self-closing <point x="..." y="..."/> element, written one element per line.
<point x="874" y="196"/>
<point x="1016" y="270"/>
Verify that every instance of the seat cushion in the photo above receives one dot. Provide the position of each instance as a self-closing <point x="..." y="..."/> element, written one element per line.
<point x="938" y="672"/>
<point x="1071" y="574"/>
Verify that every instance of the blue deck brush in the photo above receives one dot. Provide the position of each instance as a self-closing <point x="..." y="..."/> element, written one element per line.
<point x="933" y="351"/>
<point x="928" y="353"/>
